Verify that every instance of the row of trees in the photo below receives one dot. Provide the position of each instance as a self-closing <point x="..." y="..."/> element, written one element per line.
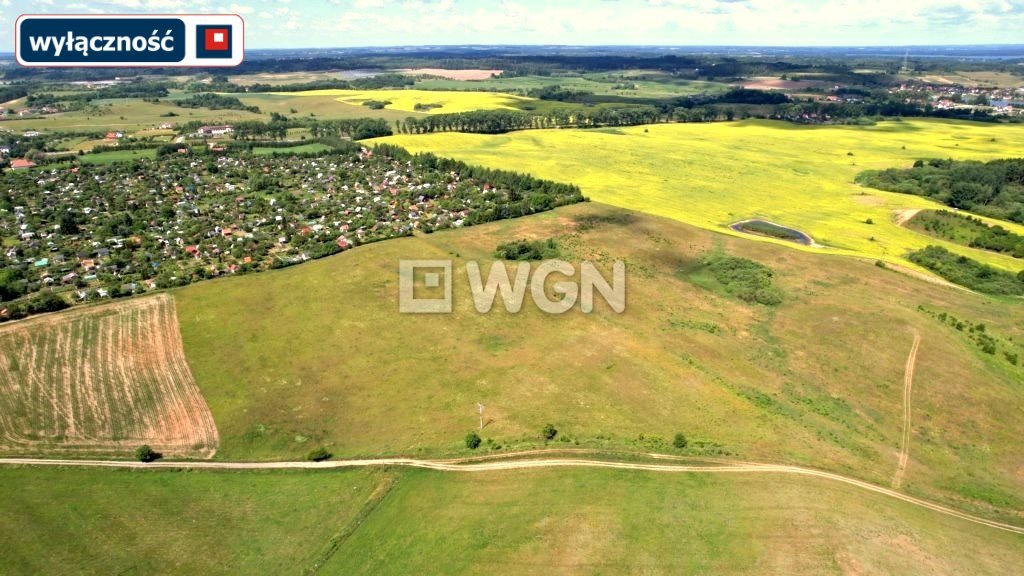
<point x="499" y="121"/>
<point x="215" y="102"/>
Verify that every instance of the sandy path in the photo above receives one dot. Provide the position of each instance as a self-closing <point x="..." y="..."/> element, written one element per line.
<point x="904" y="216"/>
<point x="476" y="465"/>
<point x="908" y="386"/>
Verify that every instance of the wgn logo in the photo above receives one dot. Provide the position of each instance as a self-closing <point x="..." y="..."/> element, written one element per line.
<point x="435" y="295"/>
<point x="129" y="40"/>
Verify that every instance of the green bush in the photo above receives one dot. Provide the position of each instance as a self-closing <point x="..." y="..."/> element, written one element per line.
<point x="527" y="250"/>
<point x="743" y="278"/>
<point x="680" y="441"/>
<point x="472" y="440"/>
<point x="146" y="454"/>
<point x="319" y="455"/>
<point x="968" y="273"/>
<point x="549" y="432"/>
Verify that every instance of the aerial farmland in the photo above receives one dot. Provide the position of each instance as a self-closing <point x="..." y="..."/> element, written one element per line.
<point x="503" y="289"/>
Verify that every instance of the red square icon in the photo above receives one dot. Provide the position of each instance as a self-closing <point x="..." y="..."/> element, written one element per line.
<point x="216" y="39"/>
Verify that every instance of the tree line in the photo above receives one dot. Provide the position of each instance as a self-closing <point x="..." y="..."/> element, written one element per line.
<point x="499" y="121"/>
<point x="994" y="189"/>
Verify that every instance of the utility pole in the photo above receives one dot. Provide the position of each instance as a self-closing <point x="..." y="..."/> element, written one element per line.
<point x="480" y="411"/>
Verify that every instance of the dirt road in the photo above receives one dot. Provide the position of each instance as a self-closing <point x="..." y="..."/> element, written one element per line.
<point x="904" y="216"/>
<point x="908" y="387"/>
<point x="509" y="463"/>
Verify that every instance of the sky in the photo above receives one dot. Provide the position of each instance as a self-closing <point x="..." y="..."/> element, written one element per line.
<point x="346" y="23"/>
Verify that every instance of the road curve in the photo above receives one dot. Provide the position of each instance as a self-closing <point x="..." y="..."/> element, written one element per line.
<point x="478" y="465"/>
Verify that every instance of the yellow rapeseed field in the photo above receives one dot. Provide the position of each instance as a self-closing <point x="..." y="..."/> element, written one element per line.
<point x="711" y="175"/>
<point x="445" y="101"/>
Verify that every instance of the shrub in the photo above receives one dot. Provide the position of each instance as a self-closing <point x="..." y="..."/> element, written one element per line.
<point x="549" y="432"/>
<point x="527" y="250"/>
<point x="967" y="272"/>
<point x="680" y="441"/>
<point x="472" y="440"/>
<point x="146" y="454"/>
<point x="319" y="454"/>
<point x="743" y="278"/>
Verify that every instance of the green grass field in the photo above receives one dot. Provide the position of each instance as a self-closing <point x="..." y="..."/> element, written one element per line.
<point x="116" y="156"/>
<point x="599" y="84"/>
<point x="319" y="354"/>
<point x="311" y="147"/>
<point x="127" y="114"/>
<point x="73" y="521"/>
<point x="711" y="175"/>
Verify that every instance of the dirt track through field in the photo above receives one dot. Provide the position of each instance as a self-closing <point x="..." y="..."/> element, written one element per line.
<point x="100" y="379"/>
<point x="716" y="466"/>
<point x="908" y="388"/>
<point x="904" y="216"/>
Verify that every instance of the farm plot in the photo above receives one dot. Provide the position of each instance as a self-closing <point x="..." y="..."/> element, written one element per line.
<point x="429" y="101"/>
<point x="100" y="380"/>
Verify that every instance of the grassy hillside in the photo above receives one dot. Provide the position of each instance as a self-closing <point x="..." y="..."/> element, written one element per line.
<point x="711" y="175"/>
<point x="75" y="521"/>
<point x="602" y="522"/>
<point x="319" y="354"/>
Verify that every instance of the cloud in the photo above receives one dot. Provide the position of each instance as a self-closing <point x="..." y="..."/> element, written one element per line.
<point x="241" y="9"/>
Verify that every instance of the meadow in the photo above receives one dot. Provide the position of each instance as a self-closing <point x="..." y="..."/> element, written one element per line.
<point x="712" y="175"/>
<point x="101" y="380"/>
<point x="88" y="521"/>
<point x="292" y="359"/>
<point x="395" y="521"/>
<point x="116" y="156"/>
<point x="406" y="100"/>
<point x="599" y="84"/>
<point x="126" y="114"/>
<point x="301" y="149"/>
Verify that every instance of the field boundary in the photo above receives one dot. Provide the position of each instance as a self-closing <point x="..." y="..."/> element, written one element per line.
<point x="474" y="465"/>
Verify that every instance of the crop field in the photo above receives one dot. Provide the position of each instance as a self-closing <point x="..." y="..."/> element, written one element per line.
<point x="599" y="84"/>
<point x="101" y="379"/>
<point x="406" y="100"/>
<point x="133" y="114"/>
<point x="404" y="521"/>
<point x="464" y="74"/>
<point x="975" y="78"/>
<point x="324" y="107"/>
<point x="817" y="380"/>
<point x="712" y="175"/>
